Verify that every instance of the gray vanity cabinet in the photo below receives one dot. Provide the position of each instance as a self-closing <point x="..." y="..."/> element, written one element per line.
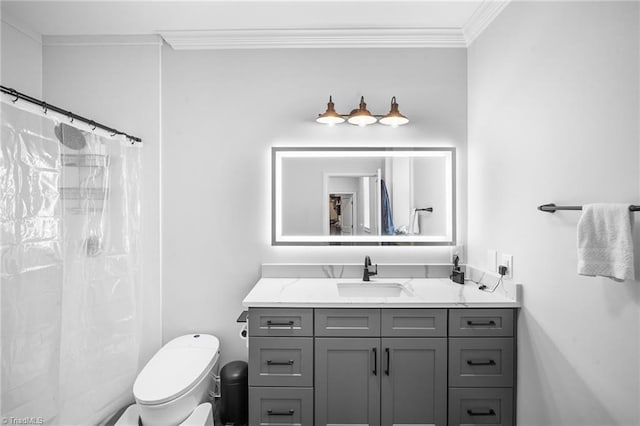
<point x="381" y="380"/>
<point x="482" y="367"/>
<point x="370" y="366"/>
<point x="280" y="366"/>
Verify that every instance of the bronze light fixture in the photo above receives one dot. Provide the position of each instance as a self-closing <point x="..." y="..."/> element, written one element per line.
<point x="361" y="115"/>
<point x="330" y="116"/>
<point x="394" y="118"/>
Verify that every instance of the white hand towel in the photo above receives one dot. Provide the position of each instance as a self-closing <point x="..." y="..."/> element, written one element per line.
<point x="415" y="223"/>
<point x="605" y="242"/>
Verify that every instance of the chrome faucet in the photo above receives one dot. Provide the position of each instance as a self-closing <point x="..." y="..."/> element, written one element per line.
<point x="366" y="273"/>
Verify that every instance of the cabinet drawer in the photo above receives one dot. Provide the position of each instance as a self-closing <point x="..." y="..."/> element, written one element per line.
<point x="280" y="322"/>
<point x="481" y="406"/>
<point x="280" y="406"/>
<point x="481" y="362"/>
<point x="480" y="322"/>
<point x="347" y="322"/>
<point x="281" y="361"/>
<point x="414" y="322"/>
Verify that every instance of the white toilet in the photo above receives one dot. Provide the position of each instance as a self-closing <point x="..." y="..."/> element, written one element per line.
<point x="178" y="378"/>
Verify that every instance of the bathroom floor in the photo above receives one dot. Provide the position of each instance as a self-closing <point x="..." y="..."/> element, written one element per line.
<point x="216" y="416"/>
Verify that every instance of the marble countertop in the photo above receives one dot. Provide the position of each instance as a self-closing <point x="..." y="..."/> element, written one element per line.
<point x="417" y="293"/>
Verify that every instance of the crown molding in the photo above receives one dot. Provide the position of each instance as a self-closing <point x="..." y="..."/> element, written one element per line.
<point x="8" y="19"/>
<point x="315" y="38"/>
<point x="481" y="18"/>
<point x="102" y="40"/>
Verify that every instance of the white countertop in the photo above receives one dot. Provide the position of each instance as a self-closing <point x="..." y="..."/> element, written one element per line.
<point x="421" y="293"/>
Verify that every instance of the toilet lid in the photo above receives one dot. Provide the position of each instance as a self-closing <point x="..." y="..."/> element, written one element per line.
<point x="176" y="368"/>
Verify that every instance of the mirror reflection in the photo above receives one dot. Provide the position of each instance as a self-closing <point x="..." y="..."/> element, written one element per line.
<point x="363" y="196"/>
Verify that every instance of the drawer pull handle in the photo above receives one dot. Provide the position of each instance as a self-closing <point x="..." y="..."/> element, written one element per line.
<point x="490" y="323"/>
<point x="375" y="361"/>
<point x="269" y="362"/>
<point x="280" y="324"/>
<point x="386" y="371"/>
<point x="488" y="412"/>
<point x="280" y="413"/>
<point x="481" y="362"/>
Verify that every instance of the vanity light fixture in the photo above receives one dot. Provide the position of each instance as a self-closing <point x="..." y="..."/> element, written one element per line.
<point x="330" y="116"/>
<point x="361" y="115"/>
<point x="394" y="118"/>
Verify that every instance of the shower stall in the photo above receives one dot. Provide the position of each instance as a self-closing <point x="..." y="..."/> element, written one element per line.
<point x="70" y="267"/>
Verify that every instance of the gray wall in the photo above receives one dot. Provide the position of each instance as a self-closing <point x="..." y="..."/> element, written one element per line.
<point x="553" y="117"/>
<point x="223" y="110"/>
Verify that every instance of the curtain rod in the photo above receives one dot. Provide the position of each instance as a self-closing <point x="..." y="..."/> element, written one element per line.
<point x="69" y="114"/>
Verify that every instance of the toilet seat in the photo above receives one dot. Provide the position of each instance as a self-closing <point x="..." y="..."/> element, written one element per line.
<point x="176" y="368"/>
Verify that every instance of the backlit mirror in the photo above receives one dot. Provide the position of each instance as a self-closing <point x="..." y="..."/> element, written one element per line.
<point x="363" y="196"/>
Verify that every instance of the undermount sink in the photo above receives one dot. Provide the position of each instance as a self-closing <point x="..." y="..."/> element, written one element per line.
<point x="372" y="289"/>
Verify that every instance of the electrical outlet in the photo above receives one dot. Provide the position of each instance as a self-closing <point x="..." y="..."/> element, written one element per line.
<point x="457" y="251"/>
<point x="492" y="260"/>
<point x="507" y="260"/>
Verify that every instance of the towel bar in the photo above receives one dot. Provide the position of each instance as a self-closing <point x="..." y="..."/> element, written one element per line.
<point x="552" y="208"/>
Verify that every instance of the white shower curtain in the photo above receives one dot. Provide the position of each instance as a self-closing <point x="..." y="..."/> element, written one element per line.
<point x="70" y="268"/>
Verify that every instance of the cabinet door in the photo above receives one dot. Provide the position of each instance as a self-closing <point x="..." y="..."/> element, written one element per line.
<point x="414" y="323"/>
<point x="481" y="362"/>
<point x="280" y="361"/>
<point x="414" y="381"/>
<point x="280" y="406"/>
<point x="347" y="322"/>
<point x="289" y="322"/>
<point x="347" y="381"/>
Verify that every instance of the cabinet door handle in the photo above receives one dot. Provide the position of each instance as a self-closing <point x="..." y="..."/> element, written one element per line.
<point x="481" y="362"/>
<point x="281" y="413"/>
<point x="375" y="361"/>
<point x="489" y="323"/>
<point x="486" y="412"/>
<point x="270" y="362"/>
<point x="280" y="324"/>
<point x="386" y="371"/>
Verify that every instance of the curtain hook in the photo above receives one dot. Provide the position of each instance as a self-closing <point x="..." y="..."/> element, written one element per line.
<point x="45" y="107"/>
<point x="93" y="124"/>
<point x="14" y="92"/>
<point x="113" y="134"/>
<point x="70" y="116"/>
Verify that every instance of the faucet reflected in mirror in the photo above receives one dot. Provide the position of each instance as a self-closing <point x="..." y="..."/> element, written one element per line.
<point x="366" y="273"/>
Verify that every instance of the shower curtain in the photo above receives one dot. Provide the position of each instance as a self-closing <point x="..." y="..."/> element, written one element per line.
<point x="70" y="268"/>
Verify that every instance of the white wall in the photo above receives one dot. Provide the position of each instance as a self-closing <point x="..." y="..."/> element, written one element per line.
<point x="117" y="82"/>
<point x="223" y="110"/>
<point x="553" y="117"/>
<point x="21" y="58"/>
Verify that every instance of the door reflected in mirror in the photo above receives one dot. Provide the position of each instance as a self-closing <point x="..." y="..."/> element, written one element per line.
<point x="353" y="196"/>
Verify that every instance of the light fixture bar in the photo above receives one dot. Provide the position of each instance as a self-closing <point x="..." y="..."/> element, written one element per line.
<point x="361" y="115"/>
